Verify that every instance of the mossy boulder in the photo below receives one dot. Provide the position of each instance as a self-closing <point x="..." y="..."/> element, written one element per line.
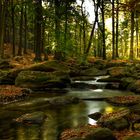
<point x="125" y="82"/>
<point x="8" y="77"/>
<point x="93" y="72"/>
<point x="115" y="120"/>
<point x="119" y="72"/>
<point x="6" y="64"/>
<point x="135" y="86"/>
<point x="50" y="66"/>
<point x="41" y="80"/>
<point x="128" y="100"/>
<point x="88" y="133"/>
<point x="116" y="63"/>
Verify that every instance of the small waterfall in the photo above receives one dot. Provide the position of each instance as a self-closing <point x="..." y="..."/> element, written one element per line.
<point x="99" y="85"/>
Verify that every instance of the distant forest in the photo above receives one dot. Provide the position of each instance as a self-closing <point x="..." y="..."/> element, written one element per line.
<point x="61" y="28"/>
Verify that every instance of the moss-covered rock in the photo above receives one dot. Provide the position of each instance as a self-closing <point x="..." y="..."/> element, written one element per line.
<point x="42" y="80"/>
<point x="93" y="72"/>
<point x="88" y="133"/>
<point x="6" y="64"/>
<point x="119" y="72"/>
<point x="8" y="77"/>
<point x="115" y="120"/>
<point x="124" y="100"/>
<point x="134" y="86"/>
<point x="50" y="66"/>
<point x="125" y="82"/>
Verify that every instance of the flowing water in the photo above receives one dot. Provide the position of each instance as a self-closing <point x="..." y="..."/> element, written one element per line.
<point x="58" y="118"/>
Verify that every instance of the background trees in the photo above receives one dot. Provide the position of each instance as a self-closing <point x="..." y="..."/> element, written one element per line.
<point x="61" y="28"/>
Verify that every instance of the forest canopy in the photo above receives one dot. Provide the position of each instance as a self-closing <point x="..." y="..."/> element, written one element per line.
<point x="61" y="28"/>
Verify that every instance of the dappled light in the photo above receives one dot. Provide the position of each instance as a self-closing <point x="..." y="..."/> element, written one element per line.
<point x="69" y="70"/>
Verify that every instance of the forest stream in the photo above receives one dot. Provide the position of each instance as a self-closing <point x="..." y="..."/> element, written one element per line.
<point x="59" y="117"/>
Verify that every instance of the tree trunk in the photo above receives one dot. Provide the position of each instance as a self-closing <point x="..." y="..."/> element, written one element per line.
<point x="20" y="32"/>
<point x="58" y="51"/>
<point x="132" y="36"/>
<point x="137" y="34"/>
<point x="93" y="28"/>
<point x="2" y="20"/>
<point x="117" y="25"/>
<point x="38" y="28"/>
<point x="113" y="30"/>
<point x="13" y="28"/>
<point x="25" y="31"/>
<point x="103" y="30"/>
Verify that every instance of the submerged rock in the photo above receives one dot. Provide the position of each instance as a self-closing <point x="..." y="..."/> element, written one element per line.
<point x="33" y="118"/>
<point x="42" y="103"/>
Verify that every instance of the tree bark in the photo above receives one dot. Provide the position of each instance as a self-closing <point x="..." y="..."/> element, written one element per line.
<point x="103" y="30"/>
<point x="13" y="28"/>
<point x="117" y="27"/>
<point x="132" y="36"/>
<point x="25" y="31"/>
<point x="93" y="28"/>
<point x="113" y="30"/>
<point x="38" y="28"/>
<point x="2" y="20"/>
<point x="21" y="32"/>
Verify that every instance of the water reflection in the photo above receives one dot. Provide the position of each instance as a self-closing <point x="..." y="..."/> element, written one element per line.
<point x="58" y="119"/>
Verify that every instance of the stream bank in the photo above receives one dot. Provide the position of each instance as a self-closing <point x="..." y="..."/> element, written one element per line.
<point x="76" y="81"/>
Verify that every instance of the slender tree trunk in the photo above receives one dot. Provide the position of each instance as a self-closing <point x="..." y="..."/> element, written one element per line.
<point x="93" y="28"/>
<point x="83" y="27"/>
<point x="38" y="28"/>
<point x="13" y="28"/>
<point x="43" y="40"/>
<point x="132" y="36"/>
<point x="103" y="30"/>
<point x="66" y="27"/>
<point x="25" y="31"/>
<point x="117" y="26"/>
<point x="21" y="33"/>
<point x="58" y="51"/>
<point x="137" y="35"/>
<point x="2" y="21"/>
<point x="113" y="30"/>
